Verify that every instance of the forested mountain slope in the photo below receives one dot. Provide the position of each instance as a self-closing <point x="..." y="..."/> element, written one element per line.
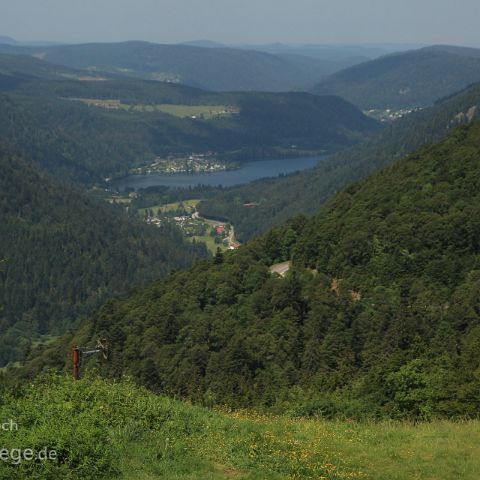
<point x="64" y="254"/>
<point x="30" y="68"/>
<point x="280" y="198"/>
<point x="405" y="80"/>
<point x="379" y="313"/>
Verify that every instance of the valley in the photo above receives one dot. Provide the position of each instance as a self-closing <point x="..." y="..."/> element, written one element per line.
<point x="226" y="260"/>
<point x="87" y="144"/>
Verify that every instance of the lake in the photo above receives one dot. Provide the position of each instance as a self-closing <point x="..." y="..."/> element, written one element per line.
<point x="246" y="173"/>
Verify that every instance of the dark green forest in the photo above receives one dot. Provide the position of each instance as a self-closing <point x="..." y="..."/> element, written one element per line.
<point x="410" y="79"/>
<point x="64" y="254"/>
<point x="278" y="199"/>
<point x="379" y="314"/>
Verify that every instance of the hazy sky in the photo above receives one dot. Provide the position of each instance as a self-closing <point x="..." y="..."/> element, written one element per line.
<point x="244" y="21"/>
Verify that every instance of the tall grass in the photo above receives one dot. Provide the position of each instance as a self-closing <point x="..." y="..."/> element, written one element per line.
<point x="102" y="429"/>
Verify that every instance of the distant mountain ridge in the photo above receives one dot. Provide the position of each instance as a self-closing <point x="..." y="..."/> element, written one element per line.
<point x="7" y="40"/>
<point x="405" y="80"/>
<point x="20" y="68"/>
<point x="216" y="69"/>
<point x="4" y="40"/>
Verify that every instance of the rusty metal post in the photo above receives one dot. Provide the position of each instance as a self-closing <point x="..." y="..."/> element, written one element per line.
<point x="76" y="362"/>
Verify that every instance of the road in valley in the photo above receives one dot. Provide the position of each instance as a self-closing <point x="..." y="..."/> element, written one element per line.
<point x="232" y="242"/>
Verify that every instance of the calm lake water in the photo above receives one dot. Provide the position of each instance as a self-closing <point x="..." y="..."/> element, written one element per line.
<point x="247" y="173"/>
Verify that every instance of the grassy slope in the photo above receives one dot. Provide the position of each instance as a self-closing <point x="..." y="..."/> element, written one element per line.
<point x="105" y="430"/>
<point x="170" y="207"/>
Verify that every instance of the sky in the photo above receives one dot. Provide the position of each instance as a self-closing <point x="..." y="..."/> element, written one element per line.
<point x="244" y="21"/>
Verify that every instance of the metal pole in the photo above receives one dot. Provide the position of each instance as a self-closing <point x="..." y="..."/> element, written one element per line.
<point x="76" y="361"/>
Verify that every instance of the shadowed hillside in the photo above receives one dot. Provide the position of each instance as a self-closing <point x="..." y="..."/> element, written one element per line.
<point x="64" y="254"/>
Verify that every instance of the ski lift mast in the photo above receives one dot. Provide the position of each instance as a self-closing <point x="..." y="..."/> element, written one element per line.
<point x="79" y="353"/>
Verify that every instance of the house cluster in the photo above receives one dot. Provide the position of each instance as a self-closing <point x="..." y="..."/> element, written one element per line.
<point x="216" y="113"/>
<point x="390" y="115"/>
<point x="201" y="156"/>
<point x="153" y="221"/>
<point x="220" y="230"/>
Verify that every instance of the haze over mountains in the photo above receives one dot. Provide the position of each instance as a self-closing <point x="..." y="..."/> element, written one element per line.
<point x="284" y="67"/>
<point x="275" y="67"/>
<point x="368" y="76"/>
<point x="208" y="68"/>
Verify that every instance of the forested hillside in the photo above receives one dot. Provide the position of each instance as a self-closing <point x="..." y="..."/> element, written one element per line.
<point x="405" y="80"/>
<point x="89" y="129"/>
<point x="64" y="254"/>
<point x="278" y="199"/>
<point x="29" y="68"/>
<point x="379" y="314"/>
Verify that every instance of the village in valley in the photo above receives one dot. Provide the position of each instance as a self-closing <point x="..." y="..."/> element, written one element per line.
<point x="390" y="115"/>
<point x="215" y="234"/>
<point x="192" y="163"/>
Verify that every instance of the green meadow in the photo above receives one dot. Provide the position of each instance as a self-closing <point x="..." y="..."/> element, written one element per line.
<point x="205" y="112"/>
<point x="106" y="429"/>
<point x="187" y="205"/>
